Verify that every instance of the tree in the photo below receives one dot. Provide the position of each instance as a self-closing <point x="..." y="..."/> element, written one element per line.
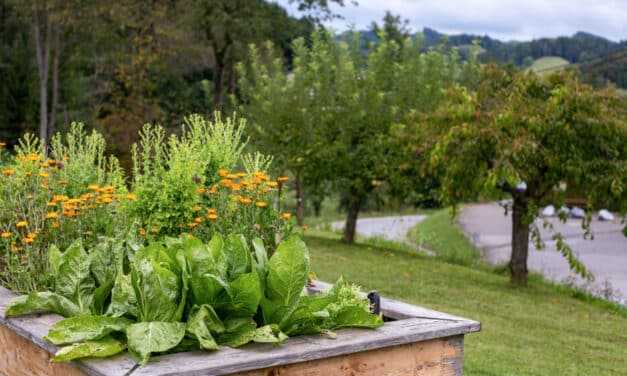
<point x="336" y="116"/>
<point x="395" y="28"/>
<point x="542" y="131"/>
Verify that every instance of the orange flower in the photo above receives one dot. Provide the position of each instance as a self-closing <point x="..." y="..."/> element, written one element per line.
<point x="8" y="172"/>
<point x="27" y="240"/>
<point x="261" y="204"/>
<point x="21" y="158"/>
<point x="21" y="224"/>
<point x="245" y="201"/>
<point x="63" y="182"/>
<point x="3" y="144"/>
<point x="142" y="231"/>
<point x="33" y="157"/>
<point x="45" y="185"/>
<point x="200" y="190"/>
<point x="272" y="184"/>
<point x="211" y="211"/>
<point x="55" y="224"/>
<point x="51" y="203"/>
<point x="93" y="187"/>
<point x="212" y="217"/>
<point x="44" y="164"/>
<point x="189" y="236"/>
<point x="196" y="208"/>
<point x="52" y="215"/>
<point x="287" y="215"/>
<point x="198" y="219"/>
<point x="5" y="235"/>
<point x="192" y="224"/>
<point x="223" y="172"/>
<point x="213" y="189"/>
<point x="51" y="161"/>
<point x="89" y="232"/>
<point x="226" y="182"/>
<point x="131" y="196"/>
<point x="31" y="235"/>
<point x="282" y="179"/>
<point x="231" y="176"/>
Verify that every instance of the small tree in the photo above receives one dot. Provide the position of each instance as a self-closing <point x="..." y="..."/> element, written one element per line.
<point x="543" y="131"/>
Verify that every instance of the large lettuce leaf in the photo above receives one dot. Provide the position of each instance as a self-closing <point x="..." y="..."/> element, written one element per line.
<point x="203" y="324"/>
<point x="74" y="280"/>
<point x="42" y="302"/>
<point x="157" y="290"/>
<point x="83" y="328"/>
<point x="102" y="348"/>
<point x="145" y="338"/>
<point x="238" y="257"/>
<point x="123" y="301"/>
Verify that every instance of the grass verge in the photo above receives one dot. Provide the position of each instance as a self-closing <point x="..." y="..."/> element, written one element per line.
<point x="539" y="330"/>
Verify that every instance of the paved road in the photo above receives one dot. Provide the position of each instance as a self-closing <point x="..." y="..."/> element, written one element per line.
<point x="605" y="256"/>
<point x="390" y="228"/>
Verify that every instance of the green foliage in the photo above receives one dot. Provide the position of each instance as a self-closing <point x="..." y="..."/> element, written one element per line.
<point x="216" y="294"/>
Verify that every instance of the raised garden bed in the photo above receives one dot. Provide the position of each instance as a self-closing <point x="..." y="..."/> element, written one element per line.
<point x="414" y="341"/>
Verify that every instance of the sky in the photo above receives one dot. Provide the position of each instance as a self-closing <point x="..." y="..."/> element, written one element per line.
<point x="502" y="19"/>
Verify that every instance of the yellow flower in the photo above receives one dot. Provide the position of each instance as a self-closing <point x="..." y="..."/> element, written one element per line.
<point x="51" y="203"/>
<point x="192" y="224"/>
<point x="63" y="182"/>
<point x="189" y="236"/>
<point x="245" y="201"/>
<point x="6" y="235"/>
<point x="44" y="164"/>
<point x="21" y="224"/>
<point x="200" y="190"/>
<point x="29" y="196"/>
<point x="89" y="232"/>
<point x="33" y="157"/>
<point x="31" y="235"/>
<point x="272" y="184"/>
<point x="223" y="172"/>
<point x="107" y="200"/>
<point x="287" y="215"/>
<point x="211" y="211"/>
<point x="55" y="224"/>
<point x="261" y="204"/>
<point x="154" y="229"/>
<point x="226" y="182"/>
<point x="282" y="179"/>
<point x="52" y="215"/>
<point x="231" y="176"/>
<point x="212" y="217"/>
<point x="196" y="208"/>
<point x="8" y="172"/>
<point x="51" y="161"/>
<point x="21" y="158"/>
<point x="93" y="187"/>
<point x="27" y="240"/>
<point x="198" y="219"/>
<point x="131" y="196"/>
<point x="305" y="227"/>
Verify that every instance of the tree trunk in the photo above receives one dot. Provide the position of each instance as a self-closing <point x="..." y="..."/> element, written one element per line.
<point x="55" y="85"/>
<point x="520" y="243"/>
<point x="300" y="201"/>
<point x="43" y="57"/>
<point x="354" y="205"/>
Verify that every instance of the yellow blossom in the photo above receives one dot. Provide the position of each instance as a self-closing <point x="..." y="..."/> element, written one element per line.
<point x="8" y="172"/>
<point x="223" y="172"/>
<point x="192" y="224"/>
<point x="27" y="240"/>
<point x="196" y="207"/>
<point x="212" y="217"/>
<point x="52" y="215"/>
<point x="154" y="229"/>
<point x="33" y="157"/>
<point x="200" y="190"/>
<point x="63" y="182"/>
<point x="89" y="232"/>
<point x="93" y="187"/>
<point x="282" y="179"/>
<point x="55" y="224"/>
<point x="6" y="235"/>
<point x="287" y="215"/>
<point x="261" y="204"/>
<point x="245" y="201"/>
<point x="211" y="211"/>
<point x="31" y="235"/>
<point x="198" y="219"/>
<point x="131" y="196"/>
<point x="272" y="184"/>
<point x="21" y="224"/>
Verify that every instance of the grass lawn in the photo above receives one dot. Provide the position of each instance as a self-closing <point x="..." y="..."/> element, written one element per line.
<point x="548" y="64"/>
<point x="539" y="330"/>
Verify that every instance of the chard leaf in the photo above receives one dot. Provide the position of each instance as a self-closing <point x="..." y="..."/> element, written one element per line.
<point x="145" y="338"/>
<point x="202" y="322"/>
<point x="101" y="294"/>
<point x="238" y="332"/>
<point x="242" y="297"/>
<point x="42" y="302"/>
<point x="207" y="289"/>
<point x="269" y="334"/>
<point x="83" y="328"/>
<point x="54" y="258"/>
<point x="156" y="289"/>
<point x="185" y="281"/>
<point x="74" y="280"/>
<point x="288" y="270"/>
<point x="353" y="316"/>
<point x="238" y="257"/>
<point x="123" y="299"/>
<point x="103" y="262"/>
<point x="101" y="348"/>
<point x="261" y="261"/>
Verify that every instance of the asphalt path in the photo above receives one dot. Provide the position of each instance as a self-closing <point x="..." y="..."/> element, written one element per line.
<point x="390" y="228"/>
<point x="605" y="256"/>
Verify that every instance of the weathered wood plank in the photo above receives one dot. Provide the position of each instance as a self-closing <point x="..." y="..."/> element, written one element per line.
<point x="34" y="327"/>
<point x="441" y="357"/>
<point x="301" y="349"/>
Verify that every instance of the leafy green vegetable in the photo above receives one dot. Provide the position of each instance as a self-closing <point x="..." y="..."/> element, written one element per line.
<point x="242" y="296"/>
<point x="74" y="280"/>
<point x="145" y="338"/>
<point x="83" y="328"/>
<point x="201" y="323"/>
<point x="157" y="291"/>
<point x="101" y="348"/>
<point x="42" y="302"/>
<point x="239" y="260"/>
<point x="269" y="334"/>
<point x="237" y="332"/>
<point x="355" y="317"/>
<point x="54" y="258"/>
<point x="123" y="301"/>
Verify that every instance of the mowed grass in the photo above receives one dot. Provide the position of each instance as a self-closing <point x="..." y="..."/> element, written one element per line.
<point x="548" y="64"/>
<point x="539" y="330"/>
<point x="448" y="242"/>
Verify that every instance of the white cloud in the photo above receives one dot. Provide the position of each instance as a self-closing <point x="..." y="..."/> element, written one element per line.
<point x="505" y="19"/>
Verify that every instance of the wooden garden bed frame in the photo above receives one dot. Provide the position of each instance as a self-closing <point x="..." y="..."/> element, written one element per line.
<point x="417" y="341"/>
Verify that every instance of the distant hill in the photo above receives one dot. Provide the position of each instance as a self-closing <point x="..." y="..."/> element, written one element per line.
<point x="598" y="59"/>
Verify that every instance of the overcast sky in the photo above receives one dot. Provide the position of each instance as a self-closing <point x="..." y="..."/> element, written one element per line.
<point x="502" y="19"/>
